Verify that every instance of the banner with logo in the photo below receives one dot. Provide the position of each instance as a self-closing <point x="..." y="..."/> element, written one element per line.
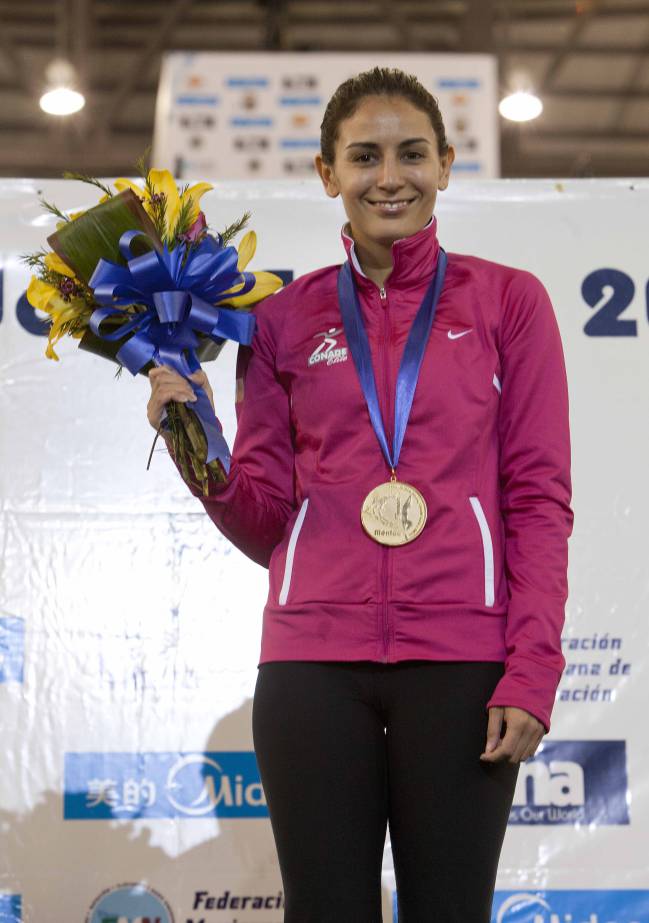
<point x="257" y="116"/>
<point x="130" y="628"/>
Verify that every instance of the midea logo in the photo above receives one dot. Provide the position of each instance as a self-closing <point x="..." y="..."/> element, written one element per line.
<point x="181" y="787"/>
<point x="559" y="783"/>
<point x="573" y="781"/>
<point x="517" y="902"/>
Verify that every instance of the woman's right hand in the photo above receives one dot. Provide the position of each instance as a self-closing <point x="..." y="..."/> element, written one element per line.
<point x="168" y="385"/>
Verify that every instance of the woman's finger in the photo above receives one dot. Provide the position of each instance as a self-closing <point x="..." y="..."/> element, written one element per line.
<point x="163" y="395"/>
<point x="494" y="728"/>
<point x="505" y="748"/>
<point x="529" y="752"/>
<point x="523" y="745"/>
<point x="200" y="378"/>
<point x="168" y="385"/>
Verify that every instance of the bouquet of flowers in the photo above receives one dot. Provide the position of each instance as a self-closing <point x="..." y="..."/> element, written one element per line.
<point x="141" y="280"/>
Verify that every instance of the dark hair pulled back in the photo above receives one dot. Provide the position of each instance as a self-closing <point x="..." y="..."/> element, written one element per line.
<point x="380" y="81"/>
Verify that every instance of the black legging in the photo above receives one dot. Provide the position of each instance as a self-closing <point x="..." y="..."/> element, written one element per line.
<point x="343" y="748"/>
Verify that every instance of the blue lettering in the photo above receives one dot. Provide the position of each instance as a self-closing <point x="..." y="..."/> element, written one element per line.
<point x="29" y="320"/>
<point x="611" y="292"/>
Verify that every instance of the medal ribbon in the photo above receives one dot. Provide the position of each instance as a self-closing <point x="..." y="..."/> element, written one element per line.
<point x="411" y="359"/>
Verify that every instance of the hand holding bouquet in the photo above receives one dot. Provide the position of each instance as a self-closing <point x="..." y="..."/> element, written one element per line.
<point x="139" y="279"/>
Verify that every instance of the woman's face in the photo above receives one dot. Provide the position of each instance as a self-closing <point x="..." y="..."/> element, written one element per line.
<point x="386" y="169"/>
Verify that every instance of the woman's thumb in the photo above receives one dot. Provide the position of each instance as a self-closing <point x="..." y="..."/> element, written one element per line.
<point x="494" y="728"/>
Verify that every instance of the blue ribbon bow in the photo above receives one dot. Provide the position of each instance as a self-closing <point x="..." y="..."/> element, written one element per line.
<point x="178" y="289"/>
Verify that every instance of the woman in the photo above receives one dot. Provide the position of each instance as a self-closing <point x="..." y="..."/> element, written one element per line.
<point x="411" y="637"/>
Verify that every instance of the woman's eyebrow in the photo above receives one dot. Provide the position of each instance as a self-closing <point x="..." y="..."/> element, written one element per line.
<point x="373" y="144"/>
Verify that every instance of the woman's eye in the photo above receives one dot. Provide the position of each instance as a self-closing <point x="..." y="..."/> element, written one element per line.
<point x="369" y="156"/>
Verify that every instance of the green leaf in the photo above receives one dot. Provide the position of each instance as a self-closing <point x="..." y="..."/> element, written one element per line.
<point x="95" y="234"/>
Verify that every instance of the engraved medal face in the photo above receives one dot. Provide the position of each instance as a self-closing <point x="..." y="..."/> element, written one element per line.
<point x="394" y="513"/>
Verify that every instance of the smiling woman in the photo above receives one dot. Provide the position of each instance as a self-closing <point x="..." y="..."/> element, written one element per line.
<point x="411" y="645"/>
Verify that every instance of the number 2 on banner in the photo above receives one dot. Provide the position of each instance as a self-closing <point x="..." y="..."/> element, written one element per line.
<point x="610" y="292"/>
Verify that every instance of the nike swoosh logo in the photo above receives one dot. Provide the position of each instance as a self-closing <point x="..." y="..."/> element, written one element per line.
<point x="456" y="336"/>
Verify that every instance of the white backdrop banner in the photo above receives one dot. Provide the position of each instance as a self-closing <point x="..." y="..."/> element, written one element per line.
<point x="130" y="628"/>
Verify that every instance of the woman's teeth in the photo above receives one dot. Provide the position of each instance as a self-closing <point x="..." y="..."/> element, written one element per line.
<point x="392" y="206"/>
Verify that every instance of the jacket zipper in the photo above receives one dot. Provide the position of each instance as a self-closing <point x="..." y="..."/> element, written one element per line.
<point x="385" y="550"/>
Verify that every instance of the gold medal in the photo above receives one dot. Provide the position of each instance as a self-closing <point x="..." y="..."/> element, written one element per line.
<point x="394" y="513"/>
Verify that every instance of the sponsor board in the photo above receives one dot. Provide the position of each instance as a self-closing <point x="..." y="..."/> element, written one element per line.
<point x="10" y="908"/>
<point x="573" y="782"/>
<point x="105" y="786"/>
<point x="584" y="906"/>
<point x="570" y="907"/>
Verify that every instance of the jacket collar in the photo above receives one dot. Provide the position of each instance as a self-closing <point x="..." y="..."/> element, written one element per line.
<point x="414" y="258"/>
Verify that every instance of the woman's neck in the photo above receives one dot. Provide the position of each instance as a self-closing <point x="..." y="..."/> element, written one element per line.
<point x="375" y="259"/>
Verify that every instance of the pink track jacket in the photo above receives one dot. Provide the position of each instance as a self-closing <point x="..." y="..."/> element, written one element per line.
<point x="487" y="444"/>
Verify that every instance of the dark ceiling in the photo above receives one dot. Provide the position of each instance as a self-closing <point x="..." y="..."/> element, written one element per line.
<point x="589" y="61"/>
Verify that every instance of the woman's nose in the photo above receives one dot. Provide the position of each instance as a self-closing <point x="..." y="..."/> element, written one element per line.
<point x="390" y="174"/>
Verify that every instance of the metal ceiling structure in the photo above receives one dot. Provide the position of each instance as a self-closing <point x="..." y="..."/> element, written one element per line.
<point x="588" y="60"/>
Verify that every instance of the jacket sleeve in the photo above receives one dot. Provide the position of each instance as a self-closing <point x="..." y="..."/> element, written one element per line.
<point x="253" y="506"/>
<point x="535" y="485"/>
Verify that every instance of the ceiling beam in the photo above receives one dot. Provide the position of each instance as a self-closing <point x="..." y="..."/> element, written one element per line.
<point x="25" y="77"/>
<point x="597" y="93"/>
<point x="274" y="26"/>
<point x="619" y="116"/>
<point x="399" y="22"/>
<point x="476" y="31"/>
<point x="590" y="134"/>
<point x="13" y="13"/>
<point x="29" y="133"/>
<point x="141" y="63"/>
<point x="526" y="12"/>
<point x="556" y="63"/>
<point x="570" y="166"/>
<point x="626" y="51"/>
<point x="81" y="36"/>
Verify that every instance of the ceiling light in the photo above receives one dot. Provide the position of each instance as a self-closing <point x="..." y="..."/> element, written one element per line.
<point x="62" y="101"/>
<point x="60" y="97"/>
<point x="520" y="107"/>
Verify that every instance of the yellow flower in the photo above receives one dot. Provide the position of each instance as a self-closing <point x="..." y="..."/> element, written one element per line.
<point x="163" y="183"/>
<point x="246" y="250"/>
<point x="265" y="282"/>
<point x="46" y="297"/>
<point x="54" y="262"/>
<point x="122" y="184"/>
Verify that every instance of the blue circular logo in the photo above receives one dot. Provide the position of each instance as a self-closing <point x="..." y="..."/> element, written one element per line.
<point x="130" y="903"/>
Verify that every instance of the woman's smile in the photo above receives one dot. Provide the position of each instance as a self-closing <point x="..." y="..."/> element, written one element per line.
<point x="391" y="207"/>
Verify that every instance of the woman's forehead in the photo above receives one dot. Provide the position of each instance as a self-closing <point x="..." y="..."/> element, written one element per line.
<point x="378" y="116"/>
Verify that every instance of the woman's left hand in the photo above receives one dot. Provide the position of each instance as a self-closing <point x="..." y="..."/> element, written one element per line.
<point x="523" y="735"/>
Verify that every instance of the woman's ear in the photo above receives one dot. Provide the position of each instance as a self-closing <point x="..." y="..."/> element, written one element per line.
<point x="445" y="164"/>
<point x="326" y="174"/>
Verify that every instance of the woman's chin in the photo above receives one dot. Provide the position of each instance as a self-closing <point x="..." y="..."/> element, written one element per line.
<point x="393" y="228"/>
